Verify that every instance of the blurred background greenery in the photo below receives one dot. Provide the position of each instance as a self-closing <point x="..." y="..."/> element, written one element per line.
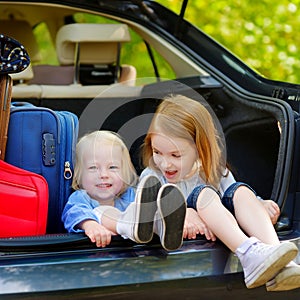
<point x="263" y="33"/>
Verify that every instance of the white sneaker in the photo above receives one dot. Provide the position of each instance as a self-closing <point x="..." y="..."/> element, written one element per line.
<point x="287" y="279"/>
<point x="169" y="220"/>
<point x="261" y="262"/>
<point x="136" y="222"/>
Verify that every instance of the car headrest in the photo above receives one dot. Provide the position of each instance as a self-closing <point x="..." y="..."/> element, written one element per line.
<point x="21" y="31"/>
<point x="99" y="43"/>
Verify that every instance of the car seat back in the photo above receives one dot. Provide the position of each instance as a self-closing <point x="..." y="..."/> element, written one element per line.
<point x="94" y="50"/>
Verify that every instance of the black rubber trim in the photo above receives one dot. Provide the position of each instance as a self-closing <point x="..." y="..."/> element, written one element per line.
<point x="54" y="242"/>
<point x="43" y="240"/>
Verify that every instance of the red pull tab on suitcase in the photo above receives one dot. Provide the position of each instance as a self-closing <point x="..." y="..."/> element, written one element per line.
<point x="23" y="202"/>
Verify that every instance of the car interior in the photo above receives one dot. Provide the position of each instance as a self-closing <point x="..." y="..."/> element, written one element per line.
<point x="89" y="71"/>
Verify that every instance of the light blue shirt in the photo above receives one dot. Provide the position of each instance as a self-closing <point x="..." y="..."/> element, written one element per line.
<point x="80" y="207"/>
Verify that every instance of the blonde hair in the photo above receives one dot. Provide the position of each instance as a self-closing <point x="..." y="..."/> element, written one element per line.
<point x="182" y="117"/>
<point x="128" y="172"/>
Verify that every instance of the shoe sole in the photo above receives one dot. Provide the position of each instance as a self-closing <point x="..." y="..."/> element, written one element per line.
<point x="287" y="279"/>
<point x="146" y="208"/>
<point x="272" y="265"/>
<point x="172" y="208"/>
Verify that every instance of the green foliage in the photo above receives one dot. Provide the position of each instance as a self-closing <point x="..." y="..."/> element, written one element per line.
<point x="46" y="45"/>
<point x="263" y="33"/>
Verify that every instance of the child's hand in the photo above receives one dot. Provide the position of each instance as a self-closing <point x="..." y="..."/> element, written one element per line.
<point x="194" y="225"/>
<point x="97" y="233"/>
<point x="272" y="209"/>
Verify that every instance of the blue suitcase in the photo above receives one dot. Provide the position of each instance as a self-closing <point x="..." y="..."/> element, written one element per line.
<point x="43" y="141"/>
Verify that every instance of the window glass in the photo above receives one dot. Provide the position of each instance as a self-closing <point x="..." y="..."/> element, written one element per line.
<point x="45" y="44"/>
<point x="173" y="5"/>
<point x="264" y="33"/>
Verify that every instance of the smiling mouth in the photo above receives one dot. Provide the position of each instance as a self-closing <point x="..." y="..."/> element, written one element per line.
<point x="170" y="173"/>
<point x="104" y="185"/>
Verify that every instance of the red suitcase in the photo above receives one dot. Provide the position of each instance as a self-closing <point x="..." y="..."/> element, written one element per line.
<point x="23" y="202"/>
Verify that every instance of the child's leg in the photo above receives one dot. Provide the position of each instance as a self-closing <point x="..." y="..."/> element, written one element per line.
<point x="170" y="216"/>
<point x="260" y="261"/>
<point x="220" y="221"/>
<point x="252" y="217"/>
<point x="108" y="216"/>
<point x="258" y="224"/>
<point x="143" y="210"/>
<point x="255" y="221"/>
<point x="136" y="222"/>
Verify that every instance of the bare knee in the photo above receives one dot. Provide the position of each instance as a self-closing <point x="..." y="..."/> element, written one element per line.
<point x="243" y="192"/>
<point x="206" y="197"/>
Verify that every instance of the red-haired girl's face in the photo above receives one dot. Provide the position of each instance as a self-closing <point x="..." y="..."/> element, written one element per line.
<point x="175" y="157"/>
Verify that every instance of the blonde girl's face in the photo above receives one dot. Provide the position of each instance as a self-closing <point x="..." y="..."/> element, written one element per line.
<point x="175" y="157"/>
<point x="101" y="174"/>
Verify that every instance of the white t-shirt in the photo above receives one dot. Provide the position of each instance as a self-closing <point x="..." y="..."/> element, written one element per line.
<point x="187" y="185"/>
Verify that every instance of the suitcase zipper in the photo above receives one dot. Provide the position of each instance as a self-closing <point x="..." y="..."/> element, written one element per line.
<point x="67" y="171"/>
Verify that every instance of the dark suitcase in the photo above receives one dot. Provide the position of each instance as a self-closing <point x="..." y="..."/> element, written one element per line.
<point x="23" y="202"/>
<point x="43" y="141"/>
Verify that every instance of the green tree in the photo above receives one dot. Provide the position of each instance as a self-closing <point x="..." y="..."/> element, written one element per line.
<point x="263" y="33"/>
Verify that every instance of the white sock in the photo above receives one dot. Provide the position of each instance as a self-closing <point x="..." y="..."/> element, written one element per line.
<point x="125" y="224"/>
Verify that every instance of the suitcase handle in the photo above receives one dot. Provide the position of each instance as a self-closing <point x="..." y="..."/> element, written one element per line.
<point x="21" y="104"/>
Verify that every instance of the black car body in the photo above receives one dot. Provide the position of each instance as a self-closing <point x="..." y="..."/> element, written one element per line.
<point x="260" y="120"/>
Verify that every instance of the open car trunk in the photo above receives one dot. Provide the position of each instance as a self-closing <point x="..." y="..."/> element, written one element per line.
<point x="260" y="122"/>
<point x="260" y="136"/>
<point x="259" y="133"/>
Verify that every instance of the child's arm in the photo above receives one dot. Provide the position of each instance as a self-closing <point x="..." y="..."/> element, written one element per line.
<point x="194" y="225"/>
<point x="77" y="209"/>
<point x="96" y="232"/>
